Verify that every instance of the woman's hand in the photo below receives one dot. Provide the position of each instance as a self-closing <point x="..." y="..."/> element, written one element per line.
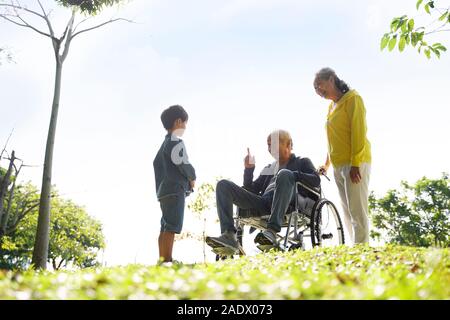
<point x="355" y="175"/>
<point x="323" y="170"/>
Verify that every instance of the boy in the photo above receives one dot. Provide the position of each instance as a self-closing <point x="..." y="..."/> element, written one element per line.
<point x="175" y="179"/>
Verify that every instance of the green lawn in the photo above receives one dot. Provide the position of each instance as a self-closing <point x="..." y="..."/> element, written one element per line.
<point x="359" y="272"/>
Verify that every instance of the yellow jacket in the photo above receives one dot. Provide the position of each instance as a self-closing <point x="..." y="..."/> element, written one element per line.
<point x="346" y="131"/>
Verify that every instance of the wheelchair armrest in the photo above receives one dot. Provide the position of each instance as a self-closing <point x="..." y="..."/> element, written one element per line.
<point x="314" y="190"/>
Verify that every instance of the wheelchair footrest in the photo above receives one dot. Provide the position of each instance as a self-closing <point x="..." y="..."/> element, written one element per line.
<point x="224" y="251"/>
<point x="267" y="247"/>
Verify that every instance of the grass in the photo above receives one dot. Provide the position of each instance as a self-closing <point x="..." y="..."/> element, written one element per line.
<point x="360" y="272"/>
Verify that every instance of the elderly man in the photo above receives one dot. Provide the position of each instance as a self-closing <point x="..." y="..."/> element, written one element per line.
<point x="271" y="193"/>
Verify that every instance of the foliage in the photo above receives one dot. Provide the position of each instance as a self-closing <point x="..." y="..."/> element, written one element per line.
<point x="204" y="199"/>
<point x="359" y="272"/>
<point x="75" y="237"/>
<point x="405" y="33"/>
<point x="417" y="215"/>
<point x="25" y="198"/>
<point x="88" y="6"/>
<point x="5" y="55"/>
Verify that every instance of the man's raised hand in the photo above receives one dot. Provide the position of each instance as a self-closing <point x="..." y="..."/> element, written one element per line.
<point x="249" y="160"/>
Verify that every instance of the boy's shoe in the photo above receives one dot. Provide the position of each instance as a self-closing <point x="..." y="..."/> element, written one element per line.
<point x="267" y="239"/>
<point x="169" y="263"/>
<point x="226" y="244"/>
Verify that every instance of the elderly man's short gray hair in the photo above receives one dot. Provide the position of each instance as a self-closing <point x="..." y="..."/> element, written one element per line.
<point x="282" y="136"/>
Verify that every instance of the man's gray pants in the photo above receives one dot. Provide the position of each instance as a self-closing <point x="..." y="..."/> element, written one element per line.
<point x="274" y="203"/>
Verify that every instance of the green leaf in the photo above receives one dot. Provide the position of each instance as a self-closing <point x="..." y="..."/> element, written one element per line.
<point x="437" y="53"/>
<point x="419" y="2"/>
<point x="394" y="24"/>
<point x="428" y="53"/>
<point x="438" y="46"/>
<point x="411" y="25"/>
<point x="401" y="44"/>
<point x="392" y="43"/>
<point x="404" y="26"/>
<point x="442" y="18"/>
<point x="91" y="7"/>
<point x="427" y="8"/>
<point x="384" y="42"/>
<point x="414" y="39"/>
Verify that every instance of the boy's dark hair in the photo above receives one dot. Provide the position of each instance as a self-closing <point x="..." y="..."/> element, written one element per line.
<point x="171" y="114"/>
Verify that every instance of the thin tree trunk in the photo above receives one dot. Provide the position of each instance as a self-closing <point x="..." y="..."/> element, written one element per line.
<point x="5" y="218"/>
<point x="60" y="264"/>
<point x="4" y="190"/>
<point x="204" y="240"/>
<point x="40" y="252"/>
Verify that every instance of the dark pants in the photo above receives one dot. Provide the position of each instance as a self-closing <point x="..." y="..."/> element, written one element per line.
<point x="275" y="204"/>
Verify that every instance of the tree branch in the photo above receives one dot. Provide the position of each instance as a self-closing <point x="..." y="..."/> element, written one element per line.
<point x="6" y="144"/>
<point x="60" y="264"/>
<point x="19" y="218"/>
<point x="79" y="23"/>
<point x="68" y="36"/>
<point x="15" y="7"/>
<point x="24" y="23"/>
<point x="437" y="30"/>
<point x="50" y="28"/>
<point x="100" y="25"/>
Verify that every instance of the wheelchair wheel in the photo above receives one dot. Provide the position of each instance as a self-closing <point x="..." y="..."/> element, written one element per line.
<point x="326" y="225"/>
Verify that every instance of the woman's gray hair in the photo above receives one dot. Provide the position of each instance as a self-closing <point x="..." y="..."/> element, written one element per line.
<point x="327" y="73"/>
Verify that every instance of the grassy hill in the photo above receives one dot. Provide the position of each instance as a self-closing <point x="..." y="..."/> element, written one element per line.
<point x="359" y="272"/>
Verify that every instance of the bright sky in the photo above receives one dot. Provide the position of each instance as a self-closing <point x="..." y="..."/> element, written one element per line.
<point x="241" y="68"/>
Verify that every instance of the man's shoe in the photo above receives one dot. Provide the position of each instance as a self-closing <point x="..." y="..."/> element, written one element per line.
<point x="226" y="244"/>
<point x="267" y="239"/>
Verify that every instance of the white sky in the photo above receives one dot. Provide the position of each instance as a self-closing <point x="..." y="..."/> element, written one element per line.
<point x="241" y="68"/>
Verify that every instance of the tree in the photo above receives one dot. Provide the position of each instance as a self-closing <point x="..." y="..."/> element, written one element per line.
<point x="75" y="240"/>
<point x="405" y="33"/>
<point x="418" y="215"/>
<point x="17" y="14"/>
<point x="15" y="202"/>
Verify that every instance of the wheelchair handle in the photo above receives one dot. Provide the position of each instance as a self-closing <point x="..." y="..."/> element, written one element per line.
<point x="321" y="172"/>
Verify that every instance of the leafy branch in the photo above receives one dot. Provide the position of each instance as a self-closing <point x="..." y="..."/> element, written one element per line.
<point x="403" y="31"/>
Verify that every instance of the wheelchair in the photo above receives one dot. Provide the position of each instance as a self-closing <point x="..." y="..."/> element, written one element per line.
<point x="311" y="217"/>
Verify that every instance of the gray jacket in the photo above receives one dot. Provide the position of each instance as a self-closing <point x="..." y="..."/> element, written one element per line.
<point x="172" y="168"/>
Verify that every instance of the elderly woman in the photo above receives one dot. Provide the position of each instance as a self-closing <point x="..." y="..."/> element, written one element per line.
<point x="348" y="150"/>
